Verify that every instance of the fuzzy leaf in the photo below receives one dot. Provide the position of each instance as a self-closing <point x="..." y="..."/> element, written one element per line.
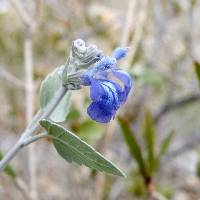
<point x="73" y="149"/>
<point x="132" y="144"/>
<point x="49" y="87"/>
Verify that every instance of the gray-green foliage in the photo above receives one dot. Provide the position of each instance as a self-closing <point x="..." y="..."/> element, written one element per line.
<point x="50" y="85"/>
<point x="68" y="145"/>
<point x="72" y="148"/>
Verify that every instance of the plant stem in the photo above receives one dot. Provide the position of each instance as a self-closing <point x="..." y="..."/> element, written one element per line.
<point x="33" y="127"/>
<point x="32" y="139"/>
<point x="149" y="186"/>
<point x="14" y="81"/>
<point x="46" y="112"/>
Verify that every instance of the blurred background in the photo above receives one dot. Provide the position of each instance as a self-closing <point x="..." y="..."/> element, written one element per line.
<point x="161" y="118"/>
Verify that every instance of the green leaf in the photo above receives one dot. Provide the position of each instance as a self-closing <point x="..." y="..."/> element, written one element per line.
<point x="73" y="114"/>
<point x="8" y="169"/>
<point x="50" y="85"/>
<point x="166" y="144"/>
<point x="132" y="144"/>
<point x="197" y="70"/>
<point x="148" y="76"/>
<point x="164" y="148"/>
<point x="149" y="136"/>
<point x="72" y="148"/>
<point x="138" y="186"/>
<point x="89" y="131"/>
<point x="198" y="169"/>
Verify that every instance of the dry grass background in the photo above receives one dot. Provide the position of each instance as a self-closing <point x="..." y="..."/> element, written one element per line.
<point x="164" y="37"/>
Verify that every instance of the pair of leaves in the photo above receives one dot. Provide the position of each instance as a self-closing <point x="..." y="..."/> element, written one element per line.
<point x="50" y="85"/>
<point x="147" y="166"/>
<point x="132" y="144"/>
<point x="73" y="149"/>
<point x="150" y="141"/>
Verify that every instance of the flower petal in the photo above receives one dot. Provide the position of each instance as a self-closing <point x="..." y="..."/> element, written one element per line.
<point x="116" y="91"/>
<point x="125" y="78"/>
<point x="121" y="94"/>
<point x="100" y="112"/>
<point x="120" y="53"/>
<point x="100" y="92"/>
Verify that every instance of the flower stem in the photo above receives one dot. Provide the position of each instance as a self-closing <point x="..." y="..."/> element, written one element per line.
<point x="33" y="126"/>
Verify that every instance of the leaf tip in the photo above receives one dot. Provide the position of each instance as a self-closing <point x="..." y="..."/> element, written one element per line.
<point x="122" y="174"/>
<point x="44" y="123"/>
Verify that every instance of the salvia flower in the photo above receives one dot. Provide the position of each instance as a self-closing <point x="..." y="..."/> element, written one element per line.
<point x="106" y="93"/>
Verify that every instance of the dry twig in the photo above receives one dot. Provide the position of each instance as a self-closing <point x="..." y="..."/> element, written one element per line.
<point x="11" y="79"/>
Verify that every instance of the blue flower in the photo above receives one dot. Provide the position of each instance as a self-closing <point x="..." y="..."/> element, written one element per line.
<point x="106" y="94"/>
